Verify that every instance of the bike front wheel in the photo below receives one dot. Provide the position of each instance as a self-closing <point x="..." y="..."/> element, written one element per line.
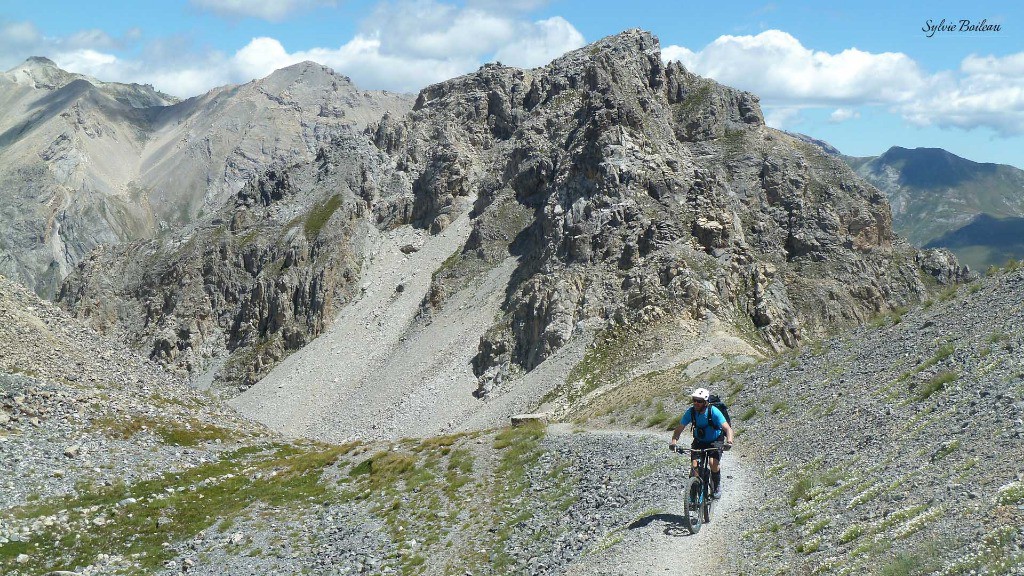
<point x="693" y="503"/>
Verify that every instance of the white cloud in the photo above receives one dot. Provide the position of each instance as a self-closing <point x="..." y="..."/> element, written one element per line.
<point x="776" y="66"/>
<point x="86" y="61"/>
<point x="361" y="58"/>
<point x="672" y="53"/>
<point x="403" y="46"/>
<point x="427" y="29"/>
<point x="783" y="117"/>
<point x="258" y="58"/>
<point x="986" y="91"/>
<point x="85" y="48"/>
<point x="539" y="43"/>
<point x="842" y="115"/>
<point x="272" y="10"/>
<point x="19" y="34"/>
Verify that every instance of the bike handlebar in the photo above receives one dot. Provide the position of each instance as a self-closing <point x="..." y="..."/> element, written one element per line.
<point x="682" y="449"/>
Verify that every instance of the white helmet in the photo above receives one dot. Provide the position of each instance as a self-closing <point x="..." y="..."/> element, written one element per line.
<point x="701" y="393"/>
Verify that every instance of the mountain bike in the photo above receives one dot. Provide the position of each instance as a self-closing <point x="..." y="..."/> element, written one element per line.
<point x="697" y="494"/>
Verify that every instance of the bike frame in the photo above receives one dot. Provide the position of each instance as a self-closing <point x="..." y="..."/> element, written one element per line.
<point x="703" y="469"/>
<point x="702" y="473"/>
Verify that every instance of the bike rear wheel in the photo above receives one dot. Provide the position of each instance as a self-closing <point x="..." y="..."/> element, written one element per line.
<point x="693" y="502"/>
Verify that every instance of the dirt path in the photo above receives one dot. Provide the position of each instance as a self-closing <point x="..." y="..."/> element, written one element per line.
<point x="659" y="543"/>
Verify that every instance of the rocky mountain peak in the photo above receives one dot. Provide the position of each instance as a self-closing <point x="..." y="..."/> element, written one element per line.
<point x="308" y="73"/>
<point x="39" y="61"/>
<point x="931" y="166"/>
<point x="40" y="72"/>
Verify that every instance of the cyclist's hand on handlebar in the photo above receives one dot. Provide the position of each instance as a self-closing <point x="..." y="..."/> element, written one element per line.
<point x="727" y="446"/>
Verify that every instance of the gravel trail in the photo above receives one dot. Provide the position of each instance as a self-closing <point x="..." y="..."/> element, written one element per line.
<point x="659" y="543"/>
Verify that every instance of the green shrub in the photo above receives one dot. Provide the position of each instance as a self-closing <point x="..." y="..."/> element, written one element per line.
<point x="809" y="547"/>
<point x="944" y="351"/>
<point x="945" y="450"/>
<point x="852" y="533"/>
<point x="948" y="294"/>
<point x="1012" y="495"/>
<point x="936" y="383"/>
<point x="801" y="489"/>
<point x="997" y="337"/>
<point x="902" y="565"/>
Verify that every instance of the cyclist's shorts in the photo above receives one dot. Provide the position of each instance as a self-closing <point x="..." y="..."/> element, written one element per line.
<point x="716" y="454"/>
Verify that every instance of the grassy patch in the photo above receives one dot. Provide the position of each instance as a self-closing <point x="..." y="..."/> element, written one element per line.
<point x="996" y="554"/>
<point x="600" y="360"/>
<point x="188" y="432"/>
<point x="1011" y="495"/>
<point x="852" y="533"/>
<point x="418" y="492"/>
<point x="384" y="468"/>
<point x="936" y="383"/>
<point x="894" y="316"/>
<point x="801" y="489"/>
<point x="520" y="448"/>
<point x="319" y="216"/>
<point x="190" y="501"/>
<point x="818" y="527"/>
<point x="905" y="564"/>
<point x="997" y="337"/>
<point x="948" y="294"/>
<point x="809" y="546"/>
<point x="662" y="417"/>
<point x="945" y="450"/>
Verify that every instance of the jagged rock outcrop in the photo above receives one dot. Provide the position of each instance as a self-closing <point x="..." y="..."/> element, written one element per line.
<point x="657" y="192"/>
<point x="85" y="163"/>
<point x="258" y="279"/>
<point x="630" y="190"/>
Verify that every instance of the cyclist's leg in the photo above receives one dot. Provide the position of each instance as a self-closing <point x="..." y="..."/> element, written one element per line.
<point x="694" y="456"/>
<point x="716" y="472"/>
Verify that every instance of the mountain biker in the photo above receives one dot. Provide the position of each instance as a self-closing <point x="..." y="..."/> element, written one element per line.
<point x="708" y="427"/>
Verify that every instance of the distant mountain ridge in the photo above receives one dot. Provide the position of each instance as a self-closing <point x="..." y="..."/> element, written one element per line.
<point x="942" y="200"/>
<point x="42" y="73"/>
<point x="85" y="163"/>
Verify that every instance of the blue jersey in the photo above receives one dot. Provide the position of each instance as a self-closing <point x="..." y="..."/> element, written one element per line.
<point x="702" y="430"/>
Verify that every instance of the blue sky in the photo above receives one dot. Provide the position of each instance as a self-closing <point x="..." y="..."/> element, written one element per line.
<point x="860" y="75"/>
